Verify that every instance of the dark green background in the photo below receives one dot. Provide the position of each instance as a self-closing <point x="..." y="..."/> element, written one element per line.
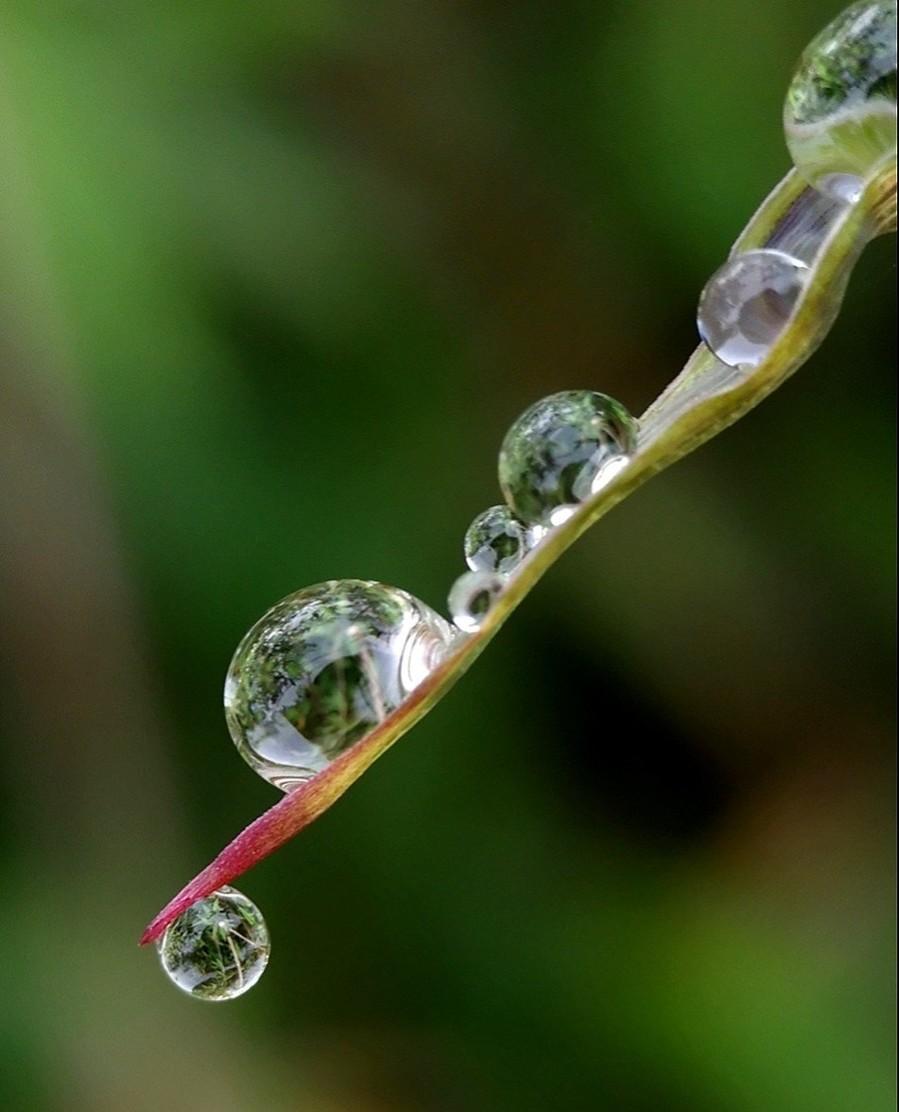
<point x="274" y="280"/>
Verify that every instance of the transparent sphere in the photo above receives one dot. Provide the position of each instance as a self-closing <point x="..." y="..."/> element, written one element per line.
<point x="218" y="948"/>
<point x="471" y="598"/>
<point x="747" y="302"/>
<point x="496" y="541"/>
<point x="840" y="112"/>
<point x="322" y="669"/>
<point x="561" y="451"/>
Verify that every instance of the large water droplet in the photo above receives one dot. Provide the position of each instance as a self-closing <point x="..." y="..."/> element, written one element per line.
<point x="322" y="669"/>
<point x="747" y="302"/>
<point x="561" y="451"/>
<point x="840" y="112"/>
<point x="497" y="541"/>
<point x="471" y="598"/>
<point x="218" y="948"/>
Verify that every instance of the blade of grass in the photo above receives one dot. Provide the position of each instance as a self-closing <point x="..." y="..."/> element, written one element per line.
<point x="705" y="398"/>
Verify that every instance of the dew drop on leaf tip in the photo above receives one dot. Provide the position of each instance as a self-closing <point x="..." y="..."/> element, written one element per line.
<point x="218" y="948"/>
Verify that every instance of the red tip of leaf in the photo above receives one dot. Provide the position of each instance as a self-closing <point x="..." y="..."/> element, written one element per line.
<point x="279" y="823"/>
<point x="301" y="806"/>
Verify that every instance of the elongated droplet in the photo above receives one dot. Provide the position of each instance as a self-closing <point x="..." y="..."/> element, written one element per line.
<point x="497" y="541"/>
<point x="747" y="302"/>
<point x="840" y="112"/>
<point x="218" y="948"/>
<point x="471" y="598"/>
<point x="561" y="451"/>
<point x="322" y="669"/>
<point x="805" y="226"/>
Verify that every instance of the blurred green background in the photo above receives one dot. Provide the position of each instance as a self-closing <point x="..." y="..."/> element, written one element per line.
<point x="274" y="279"/>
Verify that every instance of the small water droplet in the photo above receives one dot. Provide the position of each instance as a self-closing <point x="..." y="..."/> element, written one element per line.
<point x="496" y="541"/>
<point x="558" y="453"/>
<point x="536" y="533"/>
<point x="840" y="111"/>
<point x="218" y="948"/>
<point x="322" y="669"/>
<point x="747" y="302"/>
<point x="471" y="598"/>
<point x="560" y="515"/>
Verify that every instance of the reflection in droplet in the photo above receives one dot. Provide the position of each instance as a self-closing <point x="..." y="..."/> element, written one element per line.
<point x="840" y="111"/>
<point x="746" y="304"/>
<point x="556" y="454"/>
<point x="323" y="668"/>
<point x="496" y="541"/>
<point x="471" y="598"/>
<point x="218" y="948"/>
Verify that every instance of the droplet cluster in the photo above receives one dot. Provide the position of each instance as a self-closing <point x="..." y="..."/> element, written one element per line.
<point x="840" y="124"/>
<point x="329" y="664"/>
<point x="557" y="455"/>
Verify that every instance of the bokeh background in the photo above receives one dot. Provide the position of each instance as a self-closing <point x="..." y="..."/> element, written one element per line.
<point x="274" y="279"/>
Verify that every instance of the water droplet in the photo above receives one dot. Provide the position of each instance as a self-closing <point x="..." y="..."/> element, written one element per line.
<point x="536" y="533"/>
<point x="805" y="226"/>
<point x="747" y="302"/>
<point x="472" y="596"/>
<point x="560" y="451"/>
<point x="322" y="669"/>
<point x="497" y="541"/>
<point x="218" y="948"/>
<point x="560" y="515"/>
<point x="840" y="112"/>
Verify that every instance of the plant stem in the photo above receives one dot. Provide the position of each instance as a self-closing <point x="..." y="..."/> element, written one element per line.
<point x="703" y="400"/>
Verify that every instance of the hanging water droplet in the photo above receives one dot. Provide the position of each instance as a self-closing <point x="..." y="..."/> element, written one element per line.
<point x="218" y="948"/>
<point x="747" y="302"/>
<point x="471" y="598"/>
<point x="840" y="112"/>
<point x="561" y="451"/>
<point x="496" y="541"/>
<point x="322" y="669"/>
